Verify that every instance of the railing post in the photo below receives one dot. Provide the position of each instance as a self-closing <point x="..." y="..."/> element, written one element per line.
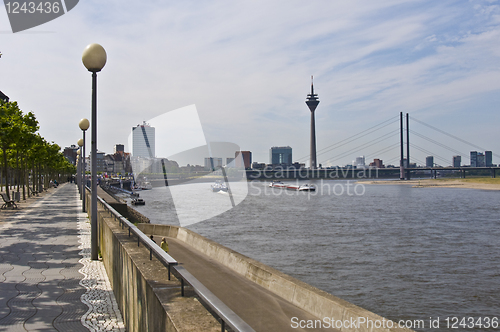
<point x="182" y="287"/>
<point x="222" y="325"/>
<point x="169" y="271"/>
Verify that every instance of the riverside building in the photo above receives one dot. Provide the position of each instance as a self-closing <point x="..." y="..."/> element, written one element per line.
<point x="280" y="155"/>
<point x="143" y="141"/>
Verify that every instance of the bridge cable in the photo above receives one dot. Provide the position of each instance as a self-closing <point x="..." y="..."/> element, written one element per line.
<point x="438" y="143"/>
<point x="362" y="146"/>
<point x="352" y="138"/>
<point x="398" y="158"/>
<point x="428" y="152"/>
<point x="453" y="136"/>
<point x="382" y="151"/>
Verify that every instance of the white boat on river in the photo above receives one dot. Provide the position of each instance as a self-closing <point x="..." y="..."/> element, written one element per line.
<point x="302" y="187"/>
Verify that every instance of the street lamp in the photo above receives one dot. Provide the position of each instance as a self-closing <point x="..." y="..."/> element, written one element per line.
<point x="94" y="58"/>
<point x="77" y="180"/>
<point x="80" y="174"/>
<point x="84" y="125"/>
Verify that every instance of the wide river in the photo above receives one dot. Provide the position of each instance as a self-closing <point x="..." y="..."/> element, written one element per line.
<point x="404" y="253"/>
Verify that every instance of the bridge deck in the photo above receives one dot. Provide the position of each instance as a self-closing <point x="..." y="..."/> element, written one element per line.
<point x="258" y="307"/>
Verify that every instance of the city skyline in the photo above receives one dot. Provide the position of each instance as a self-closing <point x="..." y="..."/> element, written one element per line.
<point x="279" y="154"/>
<point x="248" y="71"/>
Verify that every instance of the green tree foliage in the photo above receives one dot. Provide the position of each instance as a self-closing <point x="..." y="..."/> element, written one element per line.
<point x="25" y="154"/>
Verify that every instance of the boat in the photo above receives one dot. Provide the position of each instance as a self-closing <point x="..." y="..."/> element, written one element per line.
<point x="307" y="187"/>
<point x="138" y="201"/>
<point x="219" y="186"/>
<point x="302" y="187"/>
<point x="277" y="184"/>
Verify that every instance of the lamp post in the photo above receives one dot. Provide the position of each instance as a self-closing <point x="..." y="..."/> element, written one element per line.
<point x="80" y="174"/>
<point x="84" y="125"/>
<point x="77" y="180"/>
<point x="94" y="58"/>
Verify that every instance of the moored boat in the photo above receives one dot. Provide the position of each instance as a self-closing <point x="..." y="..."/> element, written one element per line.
<point x="138" y="201"/>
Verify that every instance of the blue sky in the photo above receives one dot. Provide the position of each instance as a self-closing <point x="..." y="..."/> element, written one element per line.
<point x="247" y="66"/>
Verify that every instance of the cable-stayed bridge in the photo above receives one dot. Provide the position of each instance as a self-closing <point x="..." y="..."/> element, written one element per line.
<point x="396" y="138"/>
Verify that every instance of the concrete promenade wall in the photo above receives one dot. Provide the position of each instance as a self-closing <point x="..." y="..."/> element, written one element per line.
<point x="147" y="300"/>
<point x="304" y="296"/>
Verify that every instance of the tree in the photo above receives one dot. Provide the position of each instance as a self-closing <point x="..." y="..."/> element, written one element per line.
<point x="22" y="148"/>
<point x="10" y="127"/>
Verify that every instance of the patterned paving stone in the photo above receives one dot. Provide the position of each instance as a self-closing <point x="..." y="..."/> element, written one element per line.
<point x="45" y="284"/>
<point x="103" y="313"/>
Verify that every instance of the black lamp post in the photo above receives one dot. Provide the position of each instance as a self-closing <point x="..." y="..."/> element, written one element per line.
<point x="84" y="125"/>
<point x="94" y="58"/>
<point x="77" y="179"/>
<point x="80" y="176"/>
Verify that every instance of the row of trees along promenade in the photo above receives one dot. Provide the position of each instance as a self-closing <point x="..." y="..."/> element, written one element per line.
<point x="28" y="161"/>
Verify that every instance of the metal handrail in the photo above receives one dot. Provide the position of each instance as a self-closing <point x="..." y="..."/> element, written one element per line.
<point x="163" y="257"/>
<point x="226" y="315"/>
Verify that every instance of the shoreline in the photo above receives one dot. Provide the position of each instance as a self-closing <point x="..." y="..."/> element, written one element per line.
<point x="473" y="183"/>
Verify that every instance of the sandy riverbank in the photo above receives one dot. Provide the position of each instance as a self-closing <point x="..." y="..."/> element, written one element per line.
<point x="472" y="183"/>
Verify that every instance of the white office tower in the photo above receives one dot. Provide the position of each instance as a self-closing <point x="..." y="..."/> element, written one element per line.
<point x="180" y="138"/>
<point x="360" y="162"/>
<point x="143" y="141"/>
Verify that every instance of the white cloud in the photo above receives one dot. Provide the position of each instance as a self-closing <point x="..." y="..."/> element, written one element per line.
<point x="246" y="66"/>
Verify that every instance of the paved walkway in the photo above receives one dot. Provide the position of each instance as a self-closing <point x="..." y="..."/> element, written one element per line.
<point x="46" y="273"/>
<point x="261" y="309"/>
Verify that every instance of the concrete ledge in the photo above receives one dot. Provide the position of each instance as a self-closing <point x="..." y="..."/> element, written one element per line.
<point x="304" y="296"/>
<point x="147" y="300"/>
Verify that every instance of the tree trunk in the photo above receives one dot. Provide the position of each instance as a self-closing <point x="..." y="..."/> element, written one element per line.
<point x="33" y="176"/>
<point x="18" y="171"/>
<point x="6" y="171"/>
<point x="23" y="176"/>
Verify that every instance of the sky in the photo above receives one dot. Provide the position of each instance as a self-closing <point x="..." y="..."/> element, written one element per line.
<point x="247" y="66"/>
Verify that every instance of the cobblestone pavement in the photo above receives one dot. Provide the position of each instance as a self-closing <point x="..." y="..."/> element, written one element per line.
<point x="41" y="288"/>
<point x="103" y="313"/>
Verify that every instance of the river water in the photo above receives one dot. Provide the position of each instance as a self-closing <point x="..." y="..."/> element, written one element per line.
<point x="405" y="253"/>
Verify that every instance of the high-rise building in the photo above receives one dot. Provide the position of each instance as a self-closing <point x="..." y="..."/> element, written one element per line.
<point x="70" y="153"/>
<point x="247" y="159"/>
<point x="280" y="155"/>
<point x="101" y="163"/>
<point x="473" y="159"/>
<point x="478" y="159"/>
<point x="481" y="160"/>
<point x="377" y="163"/>
<point x="212" y="164"/>
<point x="488" y="158"/>
<point x="360" y="162"/>
<point x="429" y="161"/>
<point x="143" y="141"/>
<point x="457" y="160"/>
<point x="119" y="148"/>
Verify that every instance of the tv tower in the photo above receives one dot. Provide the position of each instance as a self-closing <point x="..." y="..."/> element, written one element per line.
<point x="312" y="102"/>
